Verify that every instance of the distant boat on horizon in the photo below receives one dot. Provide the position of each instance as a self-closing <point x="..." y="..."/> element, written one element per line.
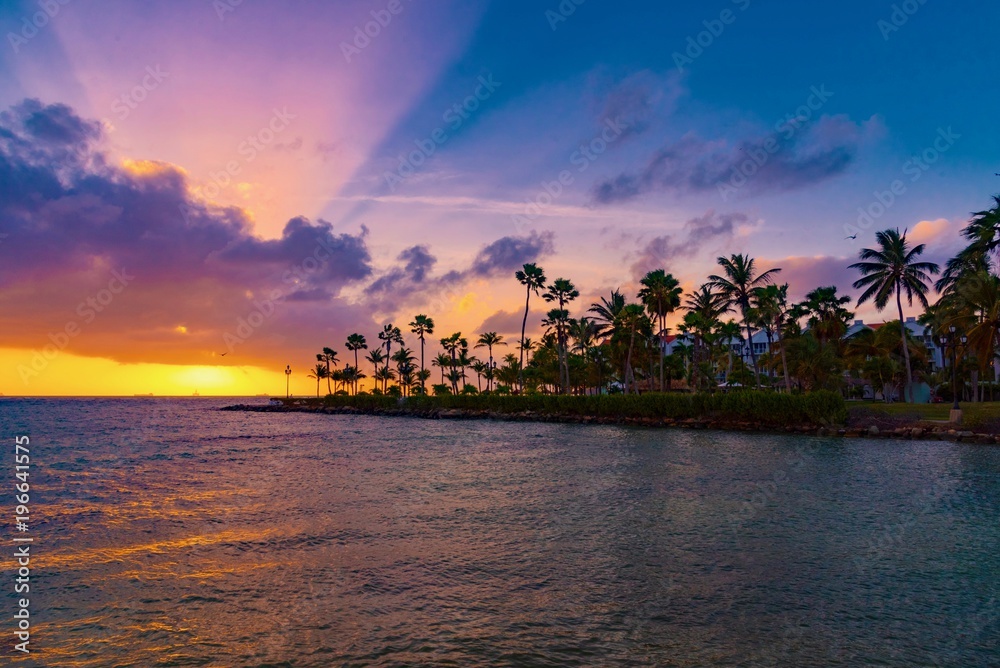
<point x="256" y="395"/>
<point x="196" y="394"/>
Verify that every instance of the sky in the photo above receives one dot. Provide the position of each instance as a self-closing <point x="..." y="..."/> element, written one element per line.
<point x="196" y="193"/>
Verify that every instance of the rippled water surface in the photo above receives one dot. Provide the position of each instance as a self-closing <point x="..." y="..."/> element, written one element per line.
<point x="171" y="534"/>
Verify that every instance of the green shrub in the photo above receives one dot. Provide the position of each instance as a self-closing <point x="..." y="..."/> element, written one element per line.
<point x="765" y="408"/>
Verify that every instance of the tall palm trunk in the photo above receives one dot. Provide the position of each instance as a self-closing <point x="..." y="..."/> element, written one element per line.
<point x="784" y="365"/>
<point x="423" y="381"/>
<point x="357" y="370"/>
<point x="753" y="354"/>
<point x="906" y="349"/>
<point x="489" y="378"/>
<point x="659" y="342"/>
<point x="628" y="361"/>
<point x="524" y="325"/>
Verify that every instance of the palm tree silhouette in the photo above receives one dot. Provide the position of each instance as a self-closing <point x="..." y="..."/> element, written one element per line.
<point x="356" y="342"/>
<point x="736" y="286"/>
<point x="532" y="278"/>
<point x="421" y="326"/>
<point x="319" y="373"/>
<point x="892" y="269"/>
<point x="661" y="294"/>
<point x="562" y="292"/>
<point x="488" y="340"/>
<point x="329" y="358"/>
<point x="376" y="357"/>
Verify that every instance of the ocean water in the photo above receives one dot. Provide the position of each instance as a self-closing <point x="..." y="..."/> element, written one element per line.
<point x="168" y="533"/>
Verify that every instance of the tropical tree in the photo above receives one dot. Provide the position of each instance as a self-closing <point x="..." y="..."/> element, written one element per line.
<point x="442" y="361"/>
<point x="329" y="358"/>
<point x="388" y="336"/>
<point x="532" y="278"/>
<point x="356" y="342"/>
<point x="422" y="326"/>
<point x="481" y="369"/>
<point x="319" y="373"/>
<point x="562" y="291"/>
<point x="376" y="357"/>
<point x="404" y="366"/>
<point x="488" y="340"/>
<point x="825" y="313"/>
<point x="661" y="294"/>
<point x="736" y="285"/>
<point x="452" y="345"/>
<point x="558" y="322"/>
<point x="892" y="269"/>
<point x="772" y="312"/>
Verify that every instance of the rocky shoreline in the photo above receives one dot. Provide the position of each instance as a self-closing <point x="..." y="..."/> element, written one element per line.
<point x="917" y="431"/>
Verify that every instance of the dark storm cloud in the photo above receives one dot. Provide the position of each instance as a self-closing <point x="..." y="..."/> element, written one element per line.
<point x="783" y="160"/>
<point x="69" y="219"/>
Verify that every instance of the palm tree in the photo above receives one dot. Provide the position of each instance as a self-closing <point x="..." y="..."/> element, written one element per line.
<point x="892" y="269"/>
<point x="421" y="326"/>
<point x="558" y="322"/>
<point x="488" y="340"/>
<point x="771" y="306"/>
<point x="826" y="314"/>
<point x="481" y="369"/>
<point x="661" y="294"/>
<point x="356" y="342"/>
<point x="633" y="320"/>
<point x="319" y="373"/>
<point x="727" y="332"/>
<point x="451" y="345"/>
<point x="607" y="312"/>
<point x="388" y="336"/>
<point x="532" y="278"/>
<point x="562" y="291"/>
<point x="443" y="361"/>
<point x="329" y="358"/>
<point x="737" y="285"/>
<point x="376" y="357"/>
<point x="404" y="365"/>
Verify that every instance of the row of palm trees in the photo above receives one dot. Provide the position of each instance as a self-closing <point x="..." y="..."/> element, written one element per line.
<point x="618" y="342"/>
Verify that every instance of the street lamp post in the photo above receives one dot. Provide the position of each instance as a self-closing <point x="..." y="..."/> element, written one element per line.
<point x="288" y="376"/>
<point x="954" y="342"/>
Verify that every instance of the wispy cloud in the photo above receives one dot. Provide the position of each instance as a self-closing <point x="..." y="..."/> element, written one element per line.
<point x="695" y="165"/>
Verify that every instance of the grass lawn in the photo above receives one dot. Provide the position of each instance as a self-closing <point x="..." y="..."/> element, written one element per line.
<point x="973" y="414"/>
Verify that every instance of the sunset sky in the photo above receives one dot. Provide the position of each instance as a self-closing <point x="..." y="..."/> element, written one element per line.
<point x="170" y="169"/>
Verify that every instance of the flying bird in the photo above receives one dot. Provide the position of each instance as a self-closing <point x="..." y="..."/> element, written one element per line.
<point x="852" y="237"/>
<point x="223" y="354"/>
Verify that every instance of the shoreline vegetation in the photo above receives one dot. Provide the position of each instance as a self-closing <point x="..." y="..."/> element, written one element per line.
<point x="821" y="413"/>
<point x="739" y="330"/>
